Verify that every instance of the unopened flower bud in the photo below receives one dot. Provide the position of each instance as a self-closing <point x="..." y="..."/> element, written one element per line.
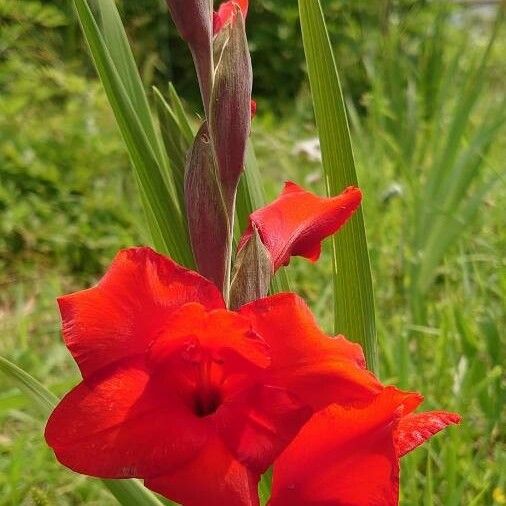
<point x="230" y="113"/>
<point x="207" y="217"/>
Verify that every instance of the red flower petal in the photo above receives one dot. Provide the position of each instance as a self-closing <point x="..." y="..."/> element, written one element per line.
<point x="226" y="12"/>
<point x="213" y="478"/>
<point x="341" y="457"/>
<point x="351" y="456"/>
<point x="122" y="424"/>
<point x="296" y="223"/>
<point x="221" y="337"/>
<point x="208" y="357"/>
<point x="304" y="358"/>
<point x="258" y="424"/>
<point x="120" y="316"/>
<point x="413" y="430"/>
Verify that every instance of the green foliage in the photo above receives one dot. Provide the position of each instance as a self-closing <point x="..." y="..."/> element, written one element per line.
<point x="422" y="128"/>
<point x="275" y="41"/>
<point x="54" y="126"/>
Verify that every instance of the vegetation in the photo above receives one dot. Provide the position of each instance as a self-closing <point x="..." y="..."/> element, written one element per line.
<point x="423" y="87"/>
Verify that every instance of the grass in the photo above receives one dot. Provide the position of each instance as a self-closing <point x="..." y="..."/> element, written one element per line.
<point x="444" y="337"/>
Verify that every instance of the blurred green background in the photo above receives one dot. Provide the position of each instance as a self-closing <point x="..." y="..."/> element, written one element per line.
<point x="424" y="85"/>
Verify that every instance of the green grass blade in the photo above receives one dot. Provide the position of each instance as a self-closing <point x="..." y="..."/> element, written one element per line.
<point x="117" y="44"/>
<point x="164" y="216"/>
<point x="353" y="293"/>
<point x="440" y="175"/>
<point x="250" y="193"/>
<point x="449" y="229"/>
<point x="127" y="492"/>
<point x="457" y="210"/>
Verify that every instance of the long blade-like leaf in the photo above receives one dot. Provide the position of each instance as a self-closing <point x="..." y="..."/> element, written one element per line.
<point x="353" y="293"/>
<point x="176" y="144"/>
<point x="184" y="122"/>
<point x="127" y="492"/>
<point x="164" y="216"/>
<point x="121" y="54"/>
<point x="38" y="393"/>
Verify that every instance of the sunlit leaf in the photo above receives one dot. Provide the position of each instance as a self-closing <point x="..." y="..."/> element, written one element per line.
<point x="353" y="294"/>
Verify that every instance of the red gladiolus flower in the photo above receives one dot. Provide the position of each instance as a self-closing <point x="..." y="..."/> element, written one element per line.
<point x="296" y="223"/>
<point x="351" y="456"/>
<point x="226" y="12"/>
<point x="195" y="399"/>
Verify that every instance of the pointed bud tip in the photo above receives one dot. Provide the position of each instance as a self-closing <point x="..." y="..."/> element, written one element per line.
<point x="227" y="13"/>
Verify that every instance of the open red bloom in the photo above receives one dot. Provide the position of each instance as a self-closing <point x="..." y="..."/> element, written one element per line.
<point x="304" y="358"/>
<point x="296" y="223"/>
<point x="350" y="457"/>
<point x="226" y="11"/>
<point x="195" y="399"/>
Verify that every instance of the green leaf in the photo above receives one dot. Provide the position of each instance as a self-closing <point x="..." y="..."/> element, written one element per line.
<point x="176" y="144"/>
<point x="133" y="493"/>
<point x="165" y="219"/>
<point x="121" y="54"/>
<point x="34" y="390"/>
<point x="450" y="200"/>
<point x="447" y="230"/>
<point x="264" y="487"/>
<point x="353" y="293"/>
<point x="127" y="492"/>
<point x="177" y="106"/>
<point x="250" y="193"/>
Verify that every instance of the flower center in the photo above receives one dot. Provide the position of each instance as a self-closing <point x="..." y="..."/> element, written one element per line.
<point x="206" y="403"/>
<point x="208" y="377"/>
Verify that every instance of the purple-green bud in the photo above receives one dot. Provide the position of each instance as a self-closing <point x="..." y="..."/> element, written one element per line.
<point x="252" y="273"/>
<point x="208" y="221"/>
<point x="230" y="113"/>
<point x="193" y="20"/>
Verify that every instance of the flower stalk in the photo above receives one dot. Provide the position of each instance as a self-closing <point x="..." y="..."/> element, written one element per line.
<point x="216" y="159"/>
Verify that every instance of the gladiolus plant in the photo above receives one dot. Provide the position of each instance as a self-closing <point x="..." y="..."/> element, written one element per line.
<point x="203" y="374"/>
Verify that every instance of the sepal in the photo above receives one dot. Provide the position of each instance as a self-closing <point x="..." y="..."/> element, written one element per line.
<point x="252" y="273"/>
